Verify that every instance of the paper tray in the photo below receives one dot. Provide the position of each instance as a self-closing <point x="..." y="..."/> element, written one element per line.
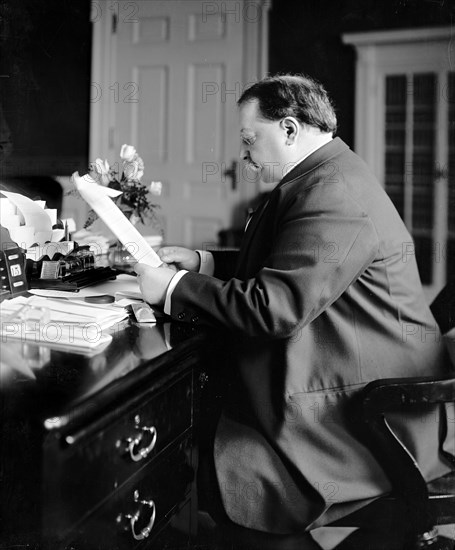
<point x="77" y="281"/>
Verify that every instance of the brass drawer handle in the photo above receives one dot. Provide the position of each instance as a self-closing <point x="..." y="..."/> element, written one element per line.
<point x="145" y="532"/>
<point x="140" y="454"/>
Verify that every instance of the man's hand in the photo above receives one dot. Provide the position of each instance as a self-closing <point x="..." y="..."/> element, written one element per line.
<point x="181" y="258"/>
<point x="153" y="282"/>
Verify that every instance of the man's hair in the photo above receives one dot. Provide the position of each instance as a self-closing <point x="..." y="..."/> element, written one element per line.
<point x="293" y="95"/>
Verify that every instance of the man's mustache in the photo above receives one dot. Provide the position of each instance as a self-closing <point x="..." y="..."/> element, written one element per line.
<point x="250" y="165"/>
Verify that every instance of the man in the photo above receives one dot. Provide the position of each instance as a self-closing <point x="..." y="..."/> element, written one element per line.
<point x="321" y="302"/>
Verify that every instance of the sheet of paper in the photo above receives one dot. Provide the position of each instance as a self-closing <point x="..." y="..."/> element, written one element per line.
<point x="59" y="324"/>
<point x="98" y="197"/>
<point x="33" y="214"/>
<point x="62" y="312"/>
<point x="38" y="225"/>
<point x="57" y="235"/>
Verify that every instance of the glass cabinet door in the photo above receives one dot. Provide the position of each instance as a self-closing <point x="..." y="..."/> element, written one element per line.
<point x="411" y="172"/>
<point x="405" y="131"/>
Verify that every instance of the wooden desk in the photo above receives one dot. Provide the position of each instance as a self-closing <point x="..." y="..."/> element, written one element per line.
<point x="97" y="452"/>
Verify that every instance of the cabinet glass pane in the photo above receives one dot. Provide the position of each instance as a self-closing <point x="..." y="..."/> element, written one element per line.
<point x="423" y="143"/>
<point x="410" y="131"/>
<point x="395" y="139"/>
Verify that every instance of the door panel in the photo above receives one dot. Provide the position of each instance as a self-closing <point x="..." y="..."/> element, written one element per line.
<point x="181" y="64"/>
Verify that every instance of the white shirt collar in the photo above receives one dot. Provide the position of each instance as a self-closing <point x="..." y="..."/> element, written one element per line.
<point x="327" y="139"/>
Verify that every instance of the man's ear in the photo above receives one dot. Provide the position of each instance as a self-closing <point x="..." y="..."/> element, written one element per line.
<point x="291" y="126"/>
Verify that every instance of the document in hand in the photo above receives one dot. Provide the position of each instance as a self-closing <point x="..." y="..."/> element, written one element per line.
<point x="98" y="197"/>
<point x="60" y="324"/>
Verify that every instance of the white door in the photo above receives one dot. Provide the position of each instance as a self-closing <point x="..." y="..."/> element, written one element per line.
<point x="176" y="70"/>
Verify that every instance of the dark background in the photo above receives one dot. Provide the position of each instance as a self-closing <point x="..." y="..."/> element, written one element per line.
<point x="305" y="36"/>
<point x="45" y="84"/>
<point x="46" y="52"/>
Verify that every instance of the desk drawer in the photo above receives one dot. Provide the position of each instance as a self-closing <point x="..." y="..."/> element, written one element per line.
<point x="135" y="514"/>
<point x="80" y="476"/>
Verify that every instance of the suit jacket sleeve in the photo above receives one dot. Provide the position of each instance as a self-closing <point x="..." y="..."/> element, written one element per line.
<point x="225" y="262"/>
<point x="322" y="242"/>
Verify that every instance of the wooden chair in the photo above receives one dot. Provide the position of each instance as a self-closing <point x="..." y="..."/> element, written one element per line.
<point x="409" y="514"/>
<point x="413" y="509"/>
<point x="406" y="518"/>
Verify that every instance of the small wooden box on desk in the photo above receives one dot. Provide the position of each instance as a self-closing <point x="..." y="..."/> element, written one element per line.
<point x="97" y="452"/>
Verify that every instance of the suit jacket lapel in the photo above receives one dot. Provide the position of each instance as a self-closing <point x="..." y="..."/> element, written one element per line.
<point x="250" y="230"/>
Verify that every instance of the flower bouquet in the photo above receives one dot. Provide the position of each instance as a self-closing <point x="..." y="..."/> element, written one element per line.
<point x="136" y="201"/>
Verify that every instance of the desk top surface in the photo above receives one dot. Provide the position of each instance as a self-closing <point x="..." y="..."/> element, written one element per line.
<point x="50" y="383"/>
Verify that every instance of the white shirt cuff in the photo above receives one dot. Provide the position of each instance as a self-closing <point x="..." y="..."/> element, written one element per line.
<point x="207" y="266"/>
<point x="170" y="289"/>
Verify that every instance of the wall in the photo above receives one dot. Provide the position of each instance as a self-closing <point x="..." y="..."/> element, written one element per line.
<point x="45" y="66"/>
<point x="305" y="36"/>
<point x="45" y="85"/>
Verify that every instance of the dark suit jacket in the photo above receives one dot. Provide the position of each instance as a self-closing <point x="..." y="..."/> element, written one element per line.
<point x="323" y="301"/>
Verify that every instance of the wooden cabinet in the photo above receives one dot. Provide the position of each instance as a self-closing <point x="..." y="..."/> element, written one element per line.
<point x="110" y="469"/>
<point x="133" y="515"/>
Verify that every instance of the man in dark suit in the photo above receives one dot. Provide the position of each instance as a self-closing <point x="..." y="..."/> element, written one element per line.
<point x="322" y="300"/>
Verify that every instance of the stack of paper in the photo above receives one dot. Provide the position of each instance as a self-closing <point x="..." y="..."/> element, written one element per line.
<point x="98" y="243"/>
<point x="28" y="221"/>
<point x="61" y="324"/>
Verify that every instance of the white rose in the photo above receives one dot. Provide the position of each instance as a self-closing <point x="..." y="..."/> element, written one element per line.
<point x="134" y="170"/>
<point x="100" y="170"/>
<point x="156" y="187"/>
<point x="140" y="170"/>
<point x="127" y="152"/>
<point x="131" y="170"/>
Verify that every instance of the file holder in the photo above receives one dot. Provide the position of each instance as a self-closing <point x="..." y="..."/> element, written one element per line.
<point x="69" y="272"/>
<point x="76" y="281"/>
<point x="12" y="273"/>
